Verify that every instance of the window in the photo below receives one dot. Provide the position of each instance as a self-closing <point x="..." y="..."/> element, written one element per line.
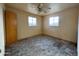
<point x="54" y="21"/>
<point x="32" y="21"/>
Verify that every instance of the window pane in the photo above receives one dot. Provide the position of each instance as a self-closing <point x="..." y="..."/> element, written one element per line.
<point x="30" y="21"/>
<point x="51" y="22"/>
<point x="34" y="21"/>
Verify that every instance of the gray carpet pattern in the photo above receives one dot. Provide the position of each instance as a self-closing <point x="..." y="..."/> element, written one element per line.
<point x="42" y="46"/>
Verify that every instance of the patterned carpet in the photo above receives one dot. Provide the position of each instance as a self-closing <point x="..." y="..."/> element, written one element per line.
<point x="42" y="46"/>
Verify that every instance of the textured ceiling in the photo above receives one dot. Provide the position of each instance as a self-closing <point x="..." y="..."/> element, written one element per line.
<point x="32" y="7"/>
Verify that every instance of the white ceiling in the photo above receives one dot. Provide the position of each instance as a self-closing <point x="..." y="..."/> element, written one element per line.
<point x="32" y="7"/>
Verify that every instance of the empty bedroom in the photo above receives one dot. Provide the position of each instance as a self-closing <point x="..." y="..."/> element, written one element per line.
<point x="41" y="29"/>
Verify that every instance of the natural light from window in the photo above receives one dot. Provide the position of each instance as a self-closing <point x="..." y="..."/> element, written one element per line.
<point x="32" y="21"/>
<point x="54" y="21"/>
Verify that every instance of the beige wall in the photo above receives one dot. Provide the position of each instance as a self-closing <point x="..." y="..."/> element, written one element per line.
<point x="23" y="30"/>
<point x="67" y="28"/>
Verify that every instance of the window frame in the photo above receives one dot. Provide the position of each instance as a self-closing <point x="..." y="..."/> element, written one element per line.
<point x="53" y="22"/>
<point x="32" y="21"/>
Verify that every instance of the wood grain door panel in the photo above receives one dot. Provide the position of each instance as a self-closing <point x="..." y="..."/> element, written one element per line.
<point x="10" y="28"/>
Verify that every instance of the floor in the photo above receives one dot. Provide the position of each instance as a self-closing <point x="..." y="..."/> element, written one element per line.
<point x="42" y="46"/>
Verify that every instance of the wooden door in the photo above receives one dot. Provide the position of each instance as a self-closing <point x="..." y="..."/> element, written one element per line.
<point x="10" y="22"/>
